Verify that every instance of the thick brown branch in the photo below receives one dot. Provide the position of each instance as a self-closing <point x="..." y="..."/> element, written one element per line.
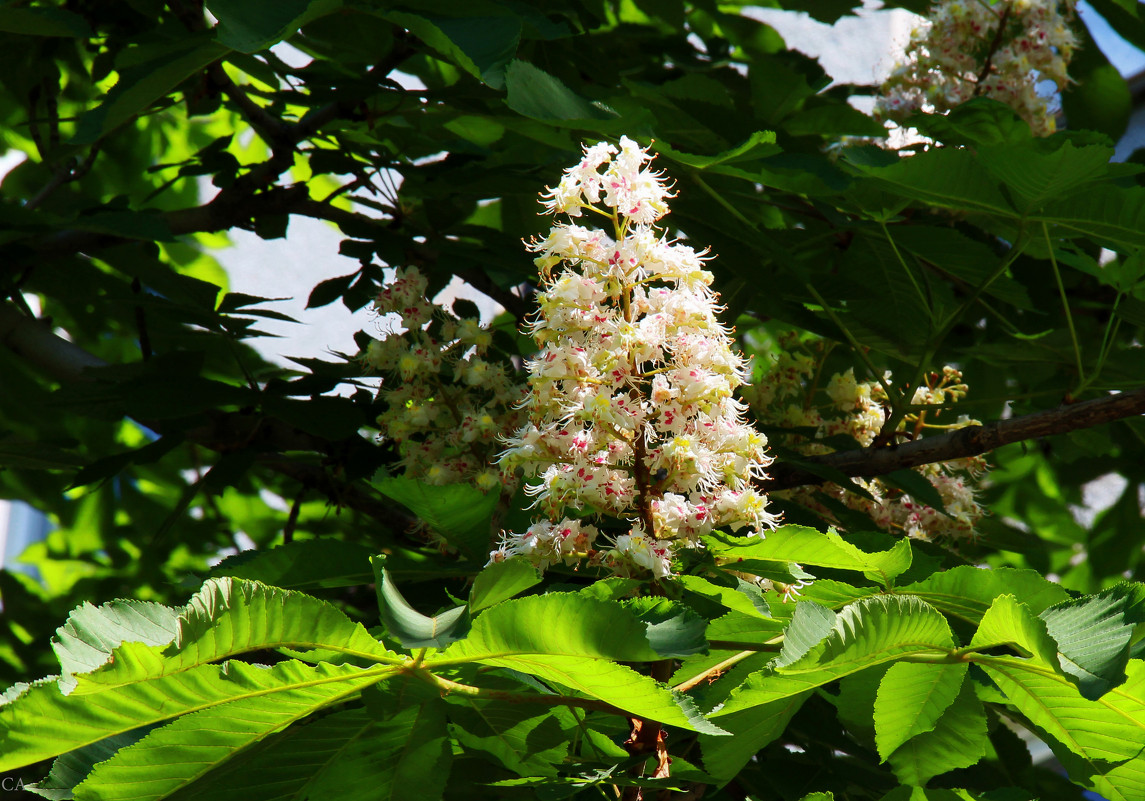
<point x="962" y="443"/>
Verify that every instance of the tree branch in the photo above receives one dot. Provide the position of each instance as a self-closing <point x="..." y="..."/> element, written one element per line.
<point x="961" y="443"/>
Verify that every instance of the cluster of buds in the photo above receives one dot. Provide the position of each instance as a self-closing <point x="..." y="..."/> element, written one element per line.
<point x="630" y="406"/>
<point x="856" y="410"/>
<point x="446" y="403"/>
<point x="977" y="48"/>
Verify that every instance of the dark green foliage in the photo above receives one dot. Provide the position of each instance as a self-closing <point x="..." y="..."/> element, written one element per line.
<point x="151" y="434"/>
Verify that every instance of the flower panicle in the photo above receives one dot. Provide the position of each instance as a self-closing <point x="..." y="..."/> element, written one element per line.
<point x="974" y="48"/>
<point x="631" y="407"/>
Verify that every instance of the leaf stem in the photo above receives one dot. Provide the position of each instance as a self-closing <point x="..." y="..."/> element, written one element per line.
<point x="1065" y="307"/>
<point x="860" y="351"/>
<point x="713" y="672"/>
<point x="905" y="267"/>
<point x="448" y="687"/>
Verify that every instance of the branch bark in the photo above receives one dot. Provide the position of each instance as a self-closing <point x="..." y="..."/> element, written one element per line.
<point x="961" y="443"/>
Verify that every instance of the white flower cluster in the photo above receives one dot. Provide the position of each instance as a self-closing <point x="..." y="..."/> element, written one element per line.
<point x="785" y="397"/>
<point x="446" y="404"/>
<point x="978" y="48"/>
<point x="630" y="406"/>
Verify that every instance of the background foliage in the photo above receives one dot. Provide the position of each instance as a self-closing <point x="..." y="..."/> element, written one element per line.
<point x="150" y="433"/>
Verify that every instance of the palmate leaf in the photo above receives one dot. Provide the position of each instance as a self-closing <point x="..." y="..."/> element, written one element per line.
<point x="460" y="513"/>
<point x="1113" y="217"/>
<point x="1109" y="729"/>
<point x="576" y="642"/>
<point x="811" y="547"/>
<point x="911" y="699"/>
<point x="746" y="599"/>
<point x="500" y="581"/>
<point x="43" y="722"/>
<point x="810" y="624"/>
<point x="672" y="628"/>
<point x="1119" y="782"/>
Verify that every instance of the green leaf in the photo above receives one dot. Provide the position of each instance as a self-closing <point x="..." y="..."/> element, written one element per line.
<point x="527" y="742"/>
<point x="1110" y="728"/>
<point x="141" y="85"/>
<point x="855" y="703"/>
<point x="231" y="616"/>
<point x="1093" y="635"/>
<point x="673" y="630"/>
<point x="911" y="699"/>
<point x="1036" y="176"/>
<point x="760" y="144"/>
<point x="952" y="252"/>
<point x="431" y="32"/>
<point x="945" y="177"/>
<point x="810" y="624"/>
<point x="980" y="121"/>
<point x="1124" y="781"/>
<point x="867" y="633"/>
<point x="43" y="22"/>
<point x="302" y="565"/>
<point x="534" y="93"/>
<point x="36" y="455"/>
<point x="575" y="641"/>
<point x="810" y="547"/>
<point x="460" y="513"/>
<point x="1098" y="97"/>
<point x="407" y="625"/>
<point x="1110" y="216"/>
<point x="746" y="598"/>
<point x="489" y="42"/>
<point x="751" y="730"/>
<point x="91" y="633"/>
<point x="253" y="25"/>
<point x="73" y="767"/>
<point x="736" y="627"/>
<point x="958" y="740"/>
<point x="345" y="754"/>
<point x="966" y="592"/>
<point x="43" y="722"/>
<point x="1008" y="622"/>
<point x="406" y="749"/>
<point x="500" y="581"/>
